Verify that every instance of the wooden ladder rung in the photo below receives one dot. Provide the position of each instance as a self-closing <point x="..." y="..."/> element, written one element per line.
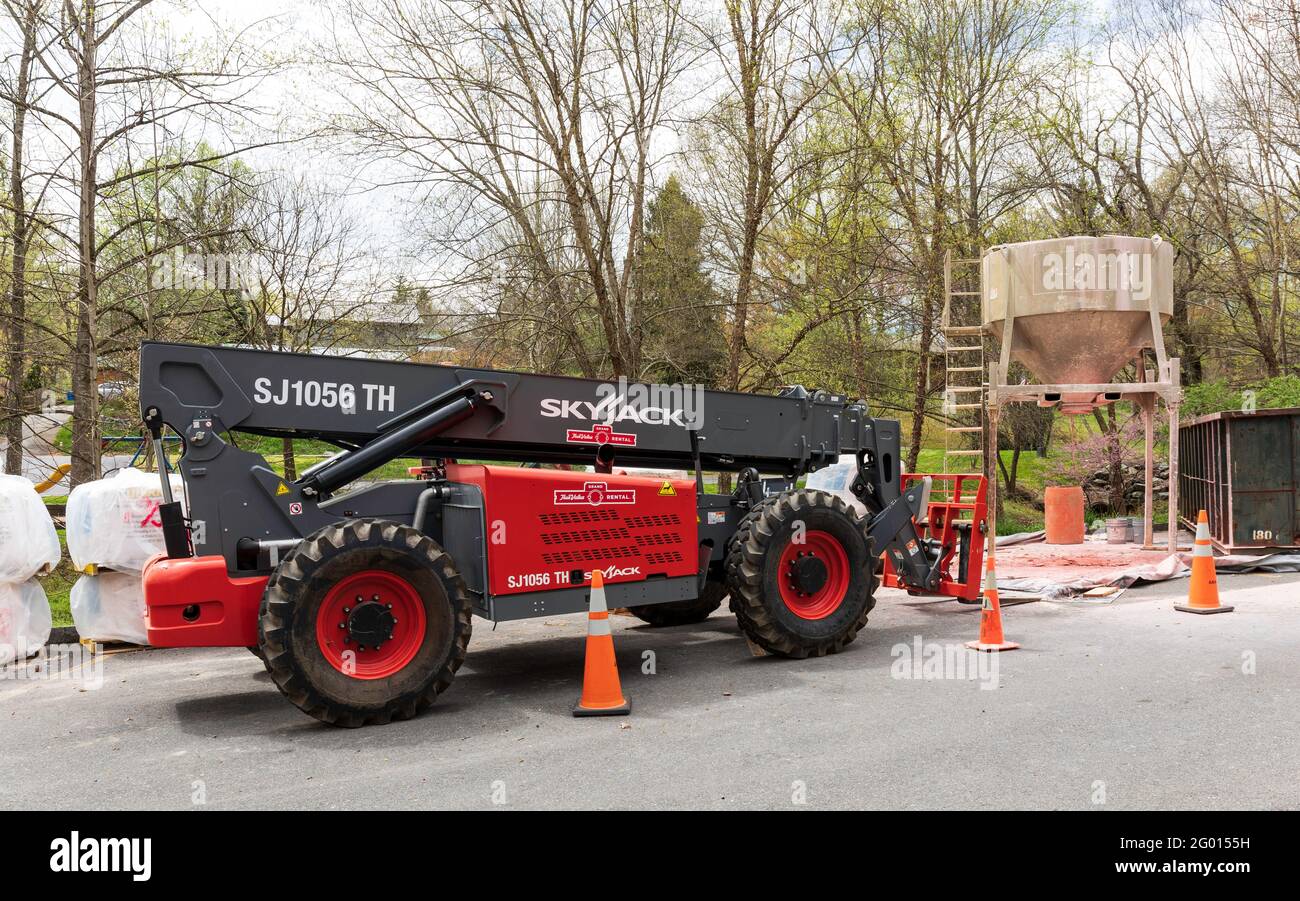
<point x="966" y="407"/>
<point x="955" y="388"/>
<point x="964" y="453"/>
<point x="953" y="350"/>
<point x="960" y="330"/>
<point x="965" y="368"/>
<point x="964" y="428"/>
<point x="964" y="293"/>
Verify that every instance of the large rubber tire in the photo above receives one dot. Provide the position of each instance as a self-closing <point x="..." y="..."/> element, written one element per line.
<point x="257" y="652"/>
<point x="754" y="569"/>
<point x="730" y="559"/>
<point x="301" y="585"/>
<point x="683" y="613"/>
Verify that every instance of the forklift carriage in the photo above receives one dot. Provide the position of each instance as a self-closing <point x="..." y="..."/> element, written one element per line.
<point x="358" y="597"/>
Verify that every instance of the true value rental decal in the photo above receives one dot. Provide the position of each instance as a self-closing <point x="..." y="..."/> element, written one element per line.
<point x="103" y="855"/>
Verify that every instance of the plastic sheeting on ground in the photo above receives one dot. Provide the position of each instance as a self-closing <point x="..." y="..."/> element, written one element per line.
<point x="1172" y="567"/>
<point x="110" y="607"/>
<point x="1021" y="538"/>
<point x="29" y="544"/>
<point x="25" y="620"/>
<point x="114" y="522"/>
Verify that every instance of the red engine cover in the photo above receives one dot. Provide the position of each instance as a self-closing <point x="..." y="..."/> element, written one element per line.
<point x="544" y="523"/>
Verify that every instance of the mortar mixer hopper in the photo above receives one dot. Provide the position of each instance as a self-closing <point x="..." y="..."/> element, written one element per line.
<point x="1075" y="311"/>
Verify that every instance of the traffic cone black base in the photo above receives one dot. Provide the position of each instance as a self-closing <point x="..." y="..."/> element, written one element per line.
<point x="1204" y="610"/>
<point x="621" y="710"/>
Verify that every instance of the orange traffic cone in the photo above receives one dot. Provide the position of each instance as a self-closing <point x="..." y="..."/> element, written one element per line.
<point x="602" y="695"/>
<point x="1203" y="594"/>
<point x="991" y="617"/>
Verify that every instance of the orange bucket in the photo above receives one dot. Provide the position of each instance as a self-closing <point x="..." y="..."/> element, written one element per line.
<point x="1063" y="515"/>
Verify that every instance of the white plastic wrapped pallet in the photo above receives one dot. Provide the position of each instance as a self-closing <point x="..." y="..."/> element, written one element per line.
<point x="29" y="545"/>
<point x="110" y="607"/>
<point x="114" y="522"/>
<point x="25" y="620"/>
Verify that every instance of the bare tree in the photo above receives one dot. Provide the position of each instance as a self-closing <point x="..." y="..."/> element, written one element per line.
<point x="952" y="135"/>
<point x="305" y="283"/>
<point x="123" y="81"/>
<point x="778" y="58"/>
<point x="19" y="96"/>
<point x="534" y="123"/>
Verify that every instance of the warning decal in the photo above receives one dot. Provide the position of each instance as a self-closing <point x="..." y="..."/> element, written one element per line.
<point x="667" y="489"/>
<point x="282" y="490"/>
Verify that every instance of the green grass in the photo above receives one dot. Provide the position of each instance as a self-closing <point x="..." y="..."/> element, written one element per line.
<point x="58" y="585"/>
<point x="1033" y="474"/>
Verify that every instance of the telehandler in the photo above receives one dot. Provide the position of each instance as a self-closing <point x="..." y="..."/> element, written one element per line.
<point x="358" y="594"/>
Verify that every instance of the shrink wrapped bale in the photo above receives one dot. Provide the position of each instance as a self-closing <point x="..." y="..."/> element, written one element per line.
<point x="110" y="607"/>
<point x="115" y="523"/>
<point x="25" y="620"/>
<point x="29" y="544"/>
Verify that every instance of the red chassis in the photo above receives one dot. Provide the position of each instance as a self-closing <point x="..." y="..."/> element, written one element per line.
<point x="647" y="529"/>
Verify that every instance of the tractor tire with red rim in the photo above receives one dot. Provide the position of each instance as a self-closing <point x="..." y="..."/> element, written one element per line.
<point x="364" y="622"/>
<point x="257" y="652"/>
<point x="802" y="599"/>
<point x="683" y="613"/>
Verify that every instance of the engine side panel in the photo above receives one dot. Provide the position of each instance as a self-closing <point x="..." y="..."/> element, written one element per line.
<point x="548" y="529"/>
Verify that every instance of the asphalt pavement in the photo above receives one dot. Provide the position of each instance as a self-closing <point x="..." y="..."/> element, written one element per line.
<point x="1107" y="705"/>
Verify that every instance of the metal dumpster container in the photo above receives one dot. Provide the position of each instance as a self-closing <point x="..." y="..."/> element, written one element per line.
<point x="1243" y="469"/>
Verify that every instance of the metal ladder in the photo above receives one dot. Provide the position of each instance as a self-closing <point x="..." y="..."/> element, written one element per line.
<point x="965" y="374"/>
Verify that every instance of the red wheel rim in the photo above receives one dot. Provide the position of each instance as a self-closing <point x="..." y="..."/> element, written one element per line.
<point x="359" y="601"/>
<point x="822" y="601"/>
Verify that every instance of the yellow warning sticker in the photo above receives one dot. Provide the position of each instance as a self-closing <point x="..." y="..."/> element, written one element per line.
<point x="667" y="489"/>
<point x="283" y="489"/>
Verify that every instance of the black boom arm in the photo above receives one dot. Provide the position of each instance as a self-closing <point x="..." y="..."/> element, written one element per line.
<point x="378" y="411"/>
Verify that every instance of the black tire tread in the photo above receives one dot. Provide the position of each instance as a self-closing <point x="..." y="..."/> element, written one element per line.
<point x="746" y="553"/>
<point x="277" y="611"/>
<point x="683" y="613"/>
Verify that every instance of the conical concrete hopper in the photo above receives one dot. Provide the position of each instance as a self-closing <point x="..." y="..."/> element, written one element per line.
<point x="1079" y="307"/>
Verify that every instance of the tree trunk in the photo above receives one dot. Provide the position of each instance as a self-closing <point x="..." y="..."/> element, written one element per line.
<point x="15" y="405"/>
<point x="922" y="391"/>
<point x="85" y="410"/>
<point x="290" y="464"/>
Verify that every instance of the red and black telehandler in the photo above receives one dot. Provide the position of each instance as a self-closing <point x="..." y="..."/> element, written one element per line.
<point x="358" y="593"/>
